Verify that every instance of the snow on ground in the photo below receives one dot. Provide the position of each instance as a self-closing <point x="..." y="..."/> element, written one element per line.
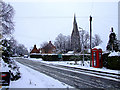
<point x="4" y="66"/>
<point x="71" y="64"/>
<point x="34" y="79"/>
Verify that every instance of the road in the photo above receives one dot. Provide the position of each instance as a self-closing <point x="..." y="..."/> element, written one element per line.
<point x="72" y="77"/>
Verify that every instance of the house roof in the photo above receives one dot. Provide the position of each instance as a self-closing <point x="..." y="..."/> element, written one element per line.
<point x="35" y="50"/>
<point x="49" y="45"/>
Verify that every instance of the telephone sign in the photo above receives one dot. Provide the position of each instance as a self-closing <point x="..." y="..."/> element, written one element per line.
<point x="4" y="78"/>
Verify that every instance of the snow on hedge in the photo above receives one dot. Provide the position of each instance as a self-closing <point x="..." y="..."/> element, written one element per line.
<point x="114" y="54"/>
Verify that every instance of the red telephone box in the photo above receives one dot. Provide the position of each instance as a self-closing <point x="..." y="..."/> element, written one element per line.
<point x="97" y="58"/>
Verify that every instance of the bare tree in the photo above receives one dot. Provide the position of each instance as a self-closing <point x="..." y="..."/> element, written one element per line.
<point x="60" y="42"/>
<point x="43" y="44"/>
<point x="14" y="48"/>
<point x="45" y="47"/>
<point x="85" y="36"/>
<point x="21" y="49"/>
<point x="13" y="45"/>
<point x="96" y="40"/>
<point x="68" y="43"/>
<point x="6" y="16"/>
<point x="7" y="26"/>
<point x="63" y="43"/>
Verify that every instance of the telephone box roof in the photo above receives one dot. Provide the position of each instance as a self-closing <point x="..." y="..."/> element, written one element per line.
<point x="97" y="47"/>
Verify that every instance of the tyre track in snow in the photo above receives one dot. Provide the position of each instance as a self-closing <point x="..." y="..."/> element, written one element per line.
<point x="106" y="74"/>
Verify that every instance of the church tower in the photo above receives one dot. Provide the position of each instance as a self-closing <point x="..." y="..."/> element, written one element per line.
<point x="75" y="37"/>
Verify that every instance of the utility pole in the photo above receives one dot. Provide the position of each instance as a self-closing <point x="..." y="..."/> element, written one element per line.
<point x="83" y="47"/>
<point x="82" y="44"/>
<point x="90" y="41"/>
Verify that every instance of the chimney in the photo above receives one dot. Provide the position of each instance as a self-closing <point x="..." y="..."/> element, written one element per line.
<point x="34" y="46"/>
<point x="111" y="29"/>
<point x="49" y="41"/>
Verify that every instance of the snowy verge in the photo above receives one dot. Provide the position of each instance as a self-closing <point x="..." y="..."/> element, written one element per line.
<point x="71" y="64"/>
<point x="4" y="66"/>
<point x="34" y="79"/>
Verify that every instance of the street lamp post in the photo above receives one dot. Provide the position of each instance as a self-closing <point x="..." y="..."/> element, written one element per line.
<point x="82" y="44"/>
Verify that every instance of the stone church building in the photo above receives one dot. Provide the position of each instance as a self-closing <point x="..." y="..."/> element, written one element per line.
<point x="75" y="37"/>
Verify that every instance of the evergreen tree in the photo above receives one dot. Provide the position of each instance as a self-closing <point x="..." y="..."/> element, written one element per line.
<point x="113" y="44"/>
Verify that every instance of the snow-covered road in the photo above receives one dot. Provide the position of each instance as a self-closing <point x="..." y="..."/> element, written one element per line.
<point x="75" y="79"/>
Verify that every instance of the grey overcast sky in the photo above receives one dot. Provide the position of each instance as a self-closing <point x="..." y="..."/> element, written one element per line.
<point x="37" y="21"/>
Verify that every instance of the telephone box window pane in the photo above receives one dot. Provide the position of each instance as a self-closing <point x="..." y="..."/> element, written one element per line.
<point x="94" y="55"/>
<point x="100" y="58"/>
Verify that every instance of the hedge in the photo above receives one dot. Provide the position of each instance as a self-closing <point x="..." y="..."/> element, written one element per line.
<point x="55" y="57"/>
<point x="50" y="57"/>
<point x="105" y="59"/>
<point x="114" y="62"/>
<point x="35" y="56"/>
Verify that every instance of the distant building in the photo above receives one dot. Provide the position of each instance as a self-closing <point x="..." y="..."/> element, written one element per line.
<point x="75" y="37"/>
<point x="49" y="48"/>
<point x="35" y="50"/>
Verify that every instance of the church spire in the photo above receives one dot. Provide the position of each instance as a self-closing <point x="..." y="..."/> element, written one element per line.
<point x="75" y="38"/>
<point x="75" y="19"/>
<point x="75" y="27"/>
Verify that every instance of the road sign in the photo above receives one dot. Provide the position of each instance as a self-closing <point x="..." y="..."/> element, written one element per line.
<point x="4" y="78"/>
<point x="60" y="56"/>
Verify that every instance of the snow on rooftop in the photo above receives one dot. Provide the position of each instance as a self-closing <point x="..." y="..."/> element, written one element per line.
<point x="70" y="52"/>
<point x="97" y="47"/>
<point x="114" y="54"/>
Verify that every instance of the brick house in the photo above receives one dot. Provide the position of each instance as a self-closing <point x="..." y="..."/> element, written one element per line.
<point x="49" y="48"/>
<point x="35" y="50"/>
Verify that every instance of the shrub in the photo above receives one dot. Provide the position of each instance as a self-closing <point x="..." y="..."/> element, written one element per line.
<point x="50" y="57"/>
<point x="114" y="62"/>
<point x="67" y="58"/>
<point x="105" y="59"/>
<point x="35" y="56"/>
